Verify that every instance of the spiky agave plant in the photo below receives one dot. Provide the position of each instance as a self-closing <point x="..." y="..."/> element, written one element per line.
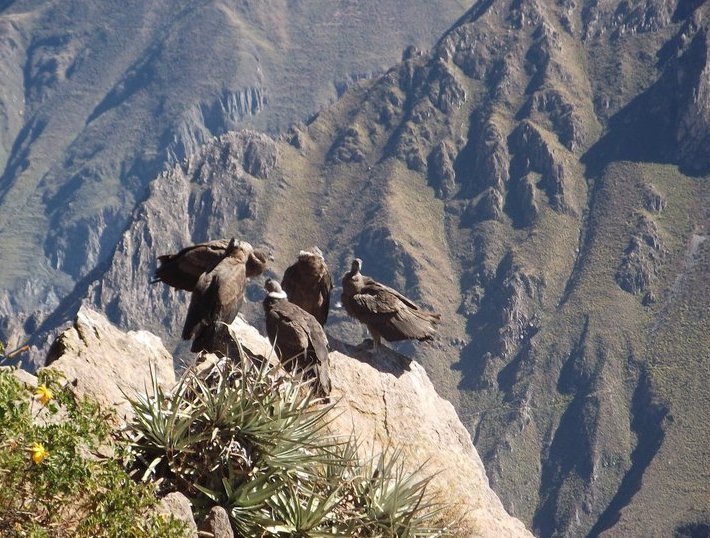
<point x="391" y="500"/>
<point x="255" y="441"/>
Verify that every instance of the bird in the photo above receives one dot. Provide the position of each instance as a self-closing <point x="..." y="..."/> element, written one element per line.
<point x="257" y="262"/>
<point x="183" y="269"/>
<point x="217" y="298"/>
<point x="387" y="313"/>
<point x="308" y="284"/>
<point x="298" y="339"/>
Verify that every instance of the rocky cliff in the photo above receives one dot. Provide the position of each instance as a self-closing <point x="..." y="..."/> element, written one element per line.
<point x="107" y="364"/>
<point x="383" y="398"/>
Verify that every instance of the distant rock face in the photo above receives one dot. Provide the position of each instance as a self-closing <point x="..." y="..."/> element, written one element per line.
<point x="693" y="131"/>
<point x="106" y="364"/>
<point x="220" y="189"/>
<point x="348" y="148"/>
<point x="653" y="201"/>
<point x="91" y="113"/>
<point x="388" y="400"/>
<point x="533" y="154"/>
<point x="441" y="169"/>
<point x="643" y="257"/>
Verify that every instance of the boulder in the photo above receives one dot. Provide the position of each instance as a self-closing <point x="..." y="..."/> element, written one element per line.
<point x="178" y="506"/>
<point x="100" y="361"/>
<point x="217" y="524"/>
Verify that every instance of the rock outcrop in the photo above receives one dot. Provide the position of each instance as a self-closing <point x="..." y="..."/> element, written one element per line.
<point x="388" y="400"/>
<point x="384" y="398"/>
<point x="102" y="362"/>
<point x="178" y="506"/>
<point x="642" y="259"/>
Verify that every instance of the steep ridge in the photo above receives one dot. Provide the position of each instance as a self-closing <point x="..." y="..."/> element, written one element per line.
<point x="98" y="97"/>
<point x="539" y="178"/>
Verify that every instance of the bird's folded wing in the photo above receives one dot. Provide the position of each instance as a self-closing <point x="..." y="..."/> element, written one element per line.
<point x="290" y="333"/>
<point x="376" y="301"/>
<point x="182" y="270"/>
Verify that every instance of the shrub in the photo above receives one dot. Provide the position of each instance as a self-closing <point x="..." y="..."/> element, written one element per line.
<point x="54" y="480"/>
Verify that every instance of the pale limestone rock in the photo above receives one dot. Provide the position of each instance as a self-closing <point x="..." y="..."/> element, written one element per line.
<point x="217" y="524"/>
<point x="387" y="400"/>
<point x="107" y="364"/>
<point x="177" y="505"/>
<point x="23" y="376"/>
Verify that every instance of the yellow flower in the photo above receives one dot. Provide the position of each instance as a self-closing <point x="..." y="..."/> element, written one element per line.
<point x="44" y="394"/>
<point x="38" y="453"/>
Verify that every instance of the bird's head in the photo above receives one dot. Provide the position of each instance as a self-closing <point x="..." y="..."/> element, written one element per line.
<point x="273" y="289"/>
<point x="313" y="252"/>
<point x="240" y="250"/>
<point x="256" y="263"/>
<point x="356" y="266"/>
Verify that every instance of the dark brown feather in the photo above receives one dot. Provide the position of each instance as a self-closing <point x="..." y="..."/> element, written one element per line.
<point x="298" y="338"/>
<point x="385" y="311"/>
<point x="216" y="300"/>
<point x="308" y="284"/>
<point x="183" y="269"/>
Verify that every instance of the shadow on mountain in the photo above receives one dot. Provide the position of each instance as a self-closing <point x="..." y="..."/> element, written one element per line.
<point x="685" y="9"/>
<point x="648" y="128"/>
<point x="137" y="78"/>
<point x="19" y="156"/>
<point x="480" y="353"/>
<point x="569" y="456"/>
<point x="500" y="328"/>
<point x="570" y="452"/>
<point x="647" y="421"/>
<point x="693" y="530"/>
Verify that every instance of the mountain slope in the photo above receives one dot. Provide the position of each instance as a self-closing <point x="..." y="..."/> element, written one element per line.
<point x="97" y="97"/>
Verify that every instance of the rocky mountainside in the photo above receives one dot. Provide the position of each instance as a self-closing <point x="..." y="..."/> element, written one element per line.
<point x="541" y="178"/>
<point x="97" y="97"/>
<point x="377" y="400"/>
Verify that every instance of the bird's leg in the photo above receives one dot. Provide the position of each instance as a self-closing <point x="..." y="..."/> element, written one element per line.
<point x="375" y="340"/>
<point x="376" y="343"/>
<point x="366" y="342"/>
